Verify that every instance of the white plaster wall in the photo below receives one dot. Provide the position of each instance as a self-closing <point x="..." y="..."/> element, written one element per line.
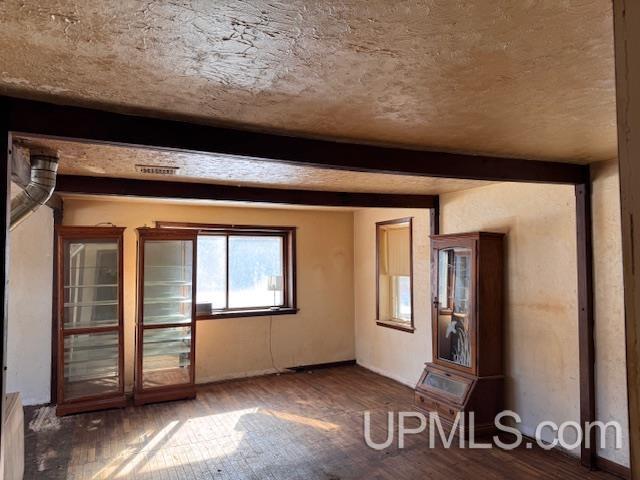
<point x="396" y="354"/>
<point x="30" y="296"/>
<point x="611" y="380"/>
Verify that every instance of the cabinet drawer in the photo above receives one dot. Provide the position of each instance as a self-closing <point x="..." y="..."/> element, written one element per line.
<point x="431" y="405"/>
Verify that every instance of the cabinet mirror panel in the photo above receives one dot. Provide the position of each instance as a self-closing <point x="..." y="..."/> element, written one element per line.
<point x="90" y="289"/>
<point x="90" y="364"/>
<point x="166" y="356"/>
<point x="453" y="305"/>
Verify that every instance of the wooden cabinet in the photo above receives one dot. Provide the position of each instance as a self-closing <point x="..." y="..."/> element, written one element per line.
<point x="165" y="324"/>
<point x="466" y="372"/>
<point x="89" y="319"/>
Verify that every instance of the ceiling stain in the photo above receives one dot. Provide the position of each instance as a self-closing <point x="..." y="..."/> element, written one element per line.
<point x="527" y="78"/>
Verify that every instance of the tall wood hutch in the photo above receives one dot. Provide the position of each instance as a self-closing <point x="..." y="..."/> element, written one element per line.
<point x="466" y="374"/>
<point x="166" y="315"/>
<point x="89" y="319"/>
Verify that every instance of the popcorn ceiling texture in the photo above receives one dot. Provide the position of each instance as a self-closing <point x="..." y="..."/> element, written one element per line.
<point x="532" y="78"/>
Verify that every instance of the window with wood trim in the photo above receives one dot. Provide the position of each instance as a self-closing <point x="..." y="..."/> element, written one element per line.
<point x="394" y="276"/>
<point x="243" y="270"/>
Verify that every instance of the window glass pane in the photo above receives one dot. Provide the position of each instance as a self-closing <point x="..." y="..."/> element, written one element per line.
<point x="212" y="271"/>
<point x="394" y="271"/>
<point x="255" y="271"/>
<point x="402" y="298"/>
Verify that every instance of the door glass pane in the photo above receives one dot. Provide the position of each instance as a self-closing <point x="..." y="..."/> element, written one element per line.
<point x="454" y="286"/>
<point x="255" y="271"/>
<point x="90" y="284"/>
<point x="90" y="364"/>
<point x="168" y="266"/>
<point x="212" y="272"/>
<point x="166" y="356"/>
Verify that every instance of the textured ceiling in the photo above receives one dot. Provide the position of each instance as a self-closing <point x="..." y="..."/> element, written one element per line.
<point x="118" y="161"/>
<point x="527" y="78"/>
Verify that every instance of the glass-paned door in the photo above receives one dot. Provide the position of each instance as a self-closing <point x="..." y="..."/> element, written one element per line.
<point x="166" y="310"/>
<point x="89" y="315"/>
<point x="453" y="302"/>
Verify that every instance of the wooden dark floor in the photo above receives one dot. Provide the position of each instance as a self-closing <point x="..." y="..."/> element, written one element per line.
<point x="293" y="426"/>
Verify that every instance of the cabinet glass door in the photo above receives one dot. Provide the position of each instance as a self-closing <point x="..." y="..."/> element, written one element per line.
<point x="166" y="356"/>
<point x="90" y="364"/>
<point x="168" y="275"/>
<point x="454" y="305"/>
<point x="90" y="318"/>
<point x="167" y="313"/>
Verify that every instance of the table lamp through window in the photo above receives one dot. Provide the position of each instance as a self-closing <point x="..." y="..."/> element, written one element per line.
<point x="274" y="285"/>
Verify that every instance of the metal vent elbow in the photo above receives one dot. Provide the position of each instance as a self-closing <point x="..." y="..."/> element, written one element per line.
<point x="44" y="168"/>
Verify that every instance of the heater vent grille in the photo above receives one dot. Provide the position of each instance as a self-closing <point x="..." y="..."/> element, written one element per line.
<point x="157" y="169"/>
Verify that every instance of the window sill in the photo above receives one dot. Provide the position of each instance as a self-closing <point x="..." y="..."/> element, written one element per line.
<point x="405" y="327"/>
<point x="247" y="313"/>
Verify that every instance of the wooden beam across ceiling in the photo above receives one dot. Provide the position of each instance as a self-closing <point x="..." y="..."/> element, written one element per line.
<point x="91" y="125"/>
<point x="205" y="191"/>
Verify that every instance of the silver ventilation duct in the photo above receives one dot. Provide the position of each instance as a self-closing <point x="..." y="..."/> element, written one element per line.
<point x="44" y="165"/>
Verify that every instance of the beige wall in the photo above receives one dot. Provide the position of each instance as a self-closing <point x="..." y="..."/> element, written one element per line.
<point x="541" y="317"/>
<point x="611" y="379"/>
<point x="321" y="332"/>
<point x="541" y="312"/>
<point x="396" y="354"/>
<point x="541" y="344"/>
<point x="627" y="56"/>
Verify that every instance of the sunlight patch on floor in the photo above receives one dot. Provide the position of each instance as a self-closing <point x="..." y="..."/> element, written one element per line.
<point x="306" y="421"/>
<point x="116" y="469"/>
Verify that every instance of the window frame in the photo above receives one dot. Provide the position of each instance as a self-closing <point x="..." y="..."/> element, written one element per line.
<point x="288" y="235"/>
<point x="403" y="325"/>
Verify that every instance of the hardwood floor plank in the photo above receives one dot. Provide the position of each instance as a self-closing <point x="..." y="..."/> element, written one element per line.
<point x="306" y="425"/>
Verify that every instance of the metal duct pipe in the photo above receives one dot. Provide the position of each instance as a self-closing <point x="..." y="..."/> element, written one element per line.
<point x="44" y="166"/>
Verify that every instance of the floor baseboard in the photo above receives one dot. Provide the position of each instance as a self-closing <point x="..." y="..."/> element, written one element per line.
<point x="318" y="366"/>
<point x="613" y="468"/>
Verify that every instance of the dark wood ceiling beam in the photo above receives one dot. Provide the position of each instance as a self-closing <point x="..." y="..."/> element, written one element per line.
<point x="85" y="124"/>
<point x="203" y="191"/>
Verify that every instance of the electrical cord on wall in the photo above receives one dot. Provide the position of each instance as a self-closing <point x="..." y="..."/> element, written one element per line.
<point x="273" y="363"/>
